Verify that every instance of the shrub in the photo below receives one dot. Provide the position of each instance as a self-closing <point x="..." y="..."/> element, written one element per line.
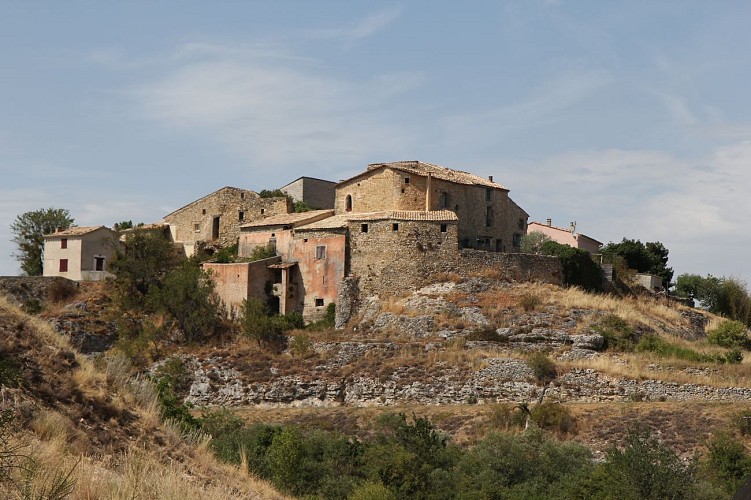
<point x="487" y="335"/>
<point x="300" y="345"/>
<point x="506" y="417"/>
<point x="727" y="462"/>
<point x="553" y="417"/>
<point x="328" y="321"/>
<point x="263" y="252"/>
<point x="619" y="335"/>
<point x="656" y="345"/>
<point x="729" y="334"/>
<point x="529" y="301"/>
<point x="578" y="267"/>
<point x="734" y="357"/>
<point x="227" y="254"/>
<point x="742" y="422"/>
<point x="267" y="330"/>
<point x="543" y="367"/>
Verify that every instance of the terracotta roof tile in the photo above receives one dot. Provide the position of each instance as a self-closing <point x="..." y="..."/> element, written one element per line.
<point x="438" y="172"/>
<point x="341" y="220"/>
<point x="75" y="231"/>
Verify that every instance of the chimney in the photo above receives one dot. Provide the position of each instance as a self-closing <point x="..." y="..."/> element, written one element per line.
<point x="572" y="227"/>
<point x="490" y="178"/>
<point x="549" y="222"/>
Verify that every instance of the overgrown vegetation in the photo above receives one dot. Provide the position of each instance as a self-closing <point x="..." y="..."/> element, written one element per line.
<point x="650" y="257"/>
<point x="732" y="334"/>
<point x="724" y="296"/>
<point x="619" y="335"/>
<point x="28" y="232"/>
<point x="578" y="267"/>
<point x="267" y="329"/>
<point x="263" y="252"/>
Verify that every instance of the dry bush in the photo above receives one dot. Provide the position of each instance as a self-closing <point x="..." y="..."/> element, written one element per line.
<point x="60" y="290"/>
<point x="529" y="301"/>
<point x="447" y="277"/>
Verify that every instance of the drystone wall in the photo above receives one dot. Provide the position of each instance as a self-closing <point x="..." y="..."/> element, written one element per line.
<point x="509" y="266"/>
<point x="21" y="290"/>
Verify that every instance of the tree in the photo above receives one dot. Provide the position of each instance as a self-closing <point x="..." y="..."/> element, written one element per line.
<point x="123" y="225"/>
<point x="578" y="267"/>
<point x="533" y="242"/>
<point x="651" y="257"/>
<point x="28" y="233"/>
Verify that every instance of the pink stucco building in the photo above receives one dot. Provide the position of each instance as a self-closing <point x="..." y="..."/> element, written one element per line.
<point x="567" y="236"/>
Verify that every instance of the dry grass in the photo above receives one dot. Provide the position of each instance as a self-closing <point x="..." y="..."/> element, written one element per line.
<point x="638" y="310"/>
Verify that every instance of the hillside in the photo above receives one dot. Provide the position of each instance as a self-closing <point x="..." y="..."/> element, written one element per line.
<point x="88" y="428"/>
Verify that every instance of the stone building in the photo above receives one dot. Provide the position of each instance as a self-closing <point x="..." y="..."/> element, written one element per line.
<point x="79" y="253"/>
<point x="317" y="193"/>
<point x="565" y="236"/>
<point x="215" y="219"/>
<point x="488" y="218"/>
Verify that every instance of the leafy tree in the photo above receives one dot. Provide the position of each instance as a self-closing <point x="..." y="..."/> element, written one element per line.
<point x="301" y="206"/>
<point x="651" y="257"/>
<point x="28" y="232"/>
<point x="259" y="324"/>
<point x="188" y="295"/>
<point x="272" y="193"/>
<point x="533" y="242"/>
<point x="262" y="252"/>
<point x="727" y="462"/>
<point x="643" y="469"/>
<point x="141" y="264"/>
<point x="729" y="334"/>
<point x="578" y="267"/>
<point x="726" y="296"/>
<point x="123" y="225"/>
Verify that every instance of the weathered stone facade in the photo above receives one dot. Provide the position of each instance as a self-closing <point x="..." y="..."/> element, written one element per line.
<point x="238" y="281"/>
<point x="488" y="218"/>
<point x="216" y="218"/>
<point x="317" y="193"/>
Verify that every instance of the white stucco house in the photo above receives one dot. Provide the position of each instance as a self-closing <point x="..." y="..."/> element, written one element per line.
<point x="79" y="253"/>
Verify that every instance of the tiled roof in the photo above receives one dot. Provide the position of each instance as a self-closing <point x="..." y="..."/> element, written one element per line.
<point x="416" y="215"/>
<point x="341" y="220"/>
<point x="289" y="219"/>
<point x="75" y="231"/>
<point x="577" y="235"/>
<point x="437" y="172"/>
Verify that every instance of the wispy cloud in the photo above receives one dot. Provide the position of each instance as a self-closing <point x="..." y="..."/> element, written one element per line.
<point x="368" y="26"/>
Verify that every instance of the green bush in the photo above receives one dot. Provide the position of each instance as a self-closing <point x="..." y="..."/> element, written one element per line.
<point x="529" y="301"/>
<point x="578" y="267"/>
<point x="742" y="422"/>
<point x="727" y="462"/>
<point x="328" y="321"/>
<point x="263" y="252"/>
<point x="657" y="345"/>
<point x="487" y="335"/>
<point x="227" y="254"/>
<point x="729" y="334"/>
<point x="543" y="368"/>
<point x="267" y="329"/>
<point x="300" y="345"/>
<point x="553" y="417"/>
<point x="506" y="417"/>
<point x="619" y="335"/>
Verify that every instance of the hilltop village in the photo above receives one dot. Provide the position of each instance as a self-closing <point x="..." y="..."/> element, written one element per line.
<point x="386" y="230"/>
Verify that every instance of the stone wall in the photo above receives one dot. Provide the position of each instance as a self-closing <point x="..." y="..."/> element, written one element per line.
<point x="317" y="193"/>
<point x="22" y="289"/>
<point x="231" y="206"/>
<point x="508" y="266"/>
<point x="239" y="281"/>
<point x="389" y="261"/>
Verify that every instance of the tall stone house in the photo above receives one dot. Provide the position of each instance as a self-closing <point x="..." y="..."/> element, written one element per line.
<point x="390" y="226"/>
<point x="215" y="219"/>
<point x="568" y="236"/>
<point x="488" y="218"/>
<point x="79" y="253"/>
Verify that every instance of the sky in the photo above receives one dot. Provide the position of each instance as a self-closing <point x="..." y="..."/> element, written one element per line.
<point x="632" y="118"/>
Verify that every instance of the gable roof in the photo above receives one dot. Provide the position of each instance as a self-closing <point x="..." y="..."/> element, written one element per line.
<point x="208" y="196"/>
<point x="436" y="171"/>
<point x="289" y="219"/>
<point x="76" y="231"/>
<point x="575" y="234"/>
<point x="307" y="177"/>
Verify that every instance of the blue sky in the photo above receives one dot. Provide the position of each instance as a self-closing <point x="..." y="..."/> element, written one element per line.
<point x="631" y="118"/>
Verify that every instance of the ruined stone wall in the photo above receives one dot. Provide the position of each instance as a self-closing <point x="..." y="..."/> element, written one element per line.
<point x="389" y="261"/>
<point x="234" y="207"/>
<point x="322" y="263"/>
<point x="508" y="266"/>
<point x="239" y="281"/>
<point x="278" y="236"/>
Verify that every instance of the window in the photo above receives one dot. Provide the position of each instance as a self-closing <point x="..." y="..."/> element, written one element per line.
<point x="319" y="302"/>
<point x="520" y="224"/>
<point x="348" y="203"/>
<point x="98" y="263"/>
<point x="64" y="243"/>
<point x="443" y="200"/>
<point x="517" y="240"/>
<point x="444" y="227"/>
<point x="63" y="265"/>
<point x="262" y="211"/>
<point x="489" y="194"/>
<point x="499" y="245"/>
<point x="197" y="228"/>
<point x="489" y="217"/>
<point x="241" y="216"/>
<point x="406" y="180"/>
<point x="395" y="226"/>
<point x="363" y="228"/>
<point x="203" y="211"/>
<point x="320" y="252"/>
<point x="242" y="196"/>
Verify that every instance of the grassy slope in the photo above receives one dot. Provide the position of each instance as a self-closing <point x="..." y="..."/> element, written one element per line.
<point x="97" y="425"/>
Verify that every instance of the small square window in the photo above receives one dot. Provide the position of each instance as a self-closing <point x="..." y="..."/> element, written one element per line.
<point x="395" y="226"/>
<point x="242" y="196"/>
<point x="241" y="216"/>
<point x="402" y="190"/>
<point x="305" y="240"/>
<point x="406" y="180"/>
<point x="443" y="228"/>
<point x="63" y="265"/>
<point x="197" y="228"/>
<point x="363" y="228"/>
<point x="203" y="211"/>
<point x="320" y="252"/>
<point x="64" y="243"/>
<point x="488" y="194"/>
<point x="319" y="302"/>
<point x="263" y="210"/>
